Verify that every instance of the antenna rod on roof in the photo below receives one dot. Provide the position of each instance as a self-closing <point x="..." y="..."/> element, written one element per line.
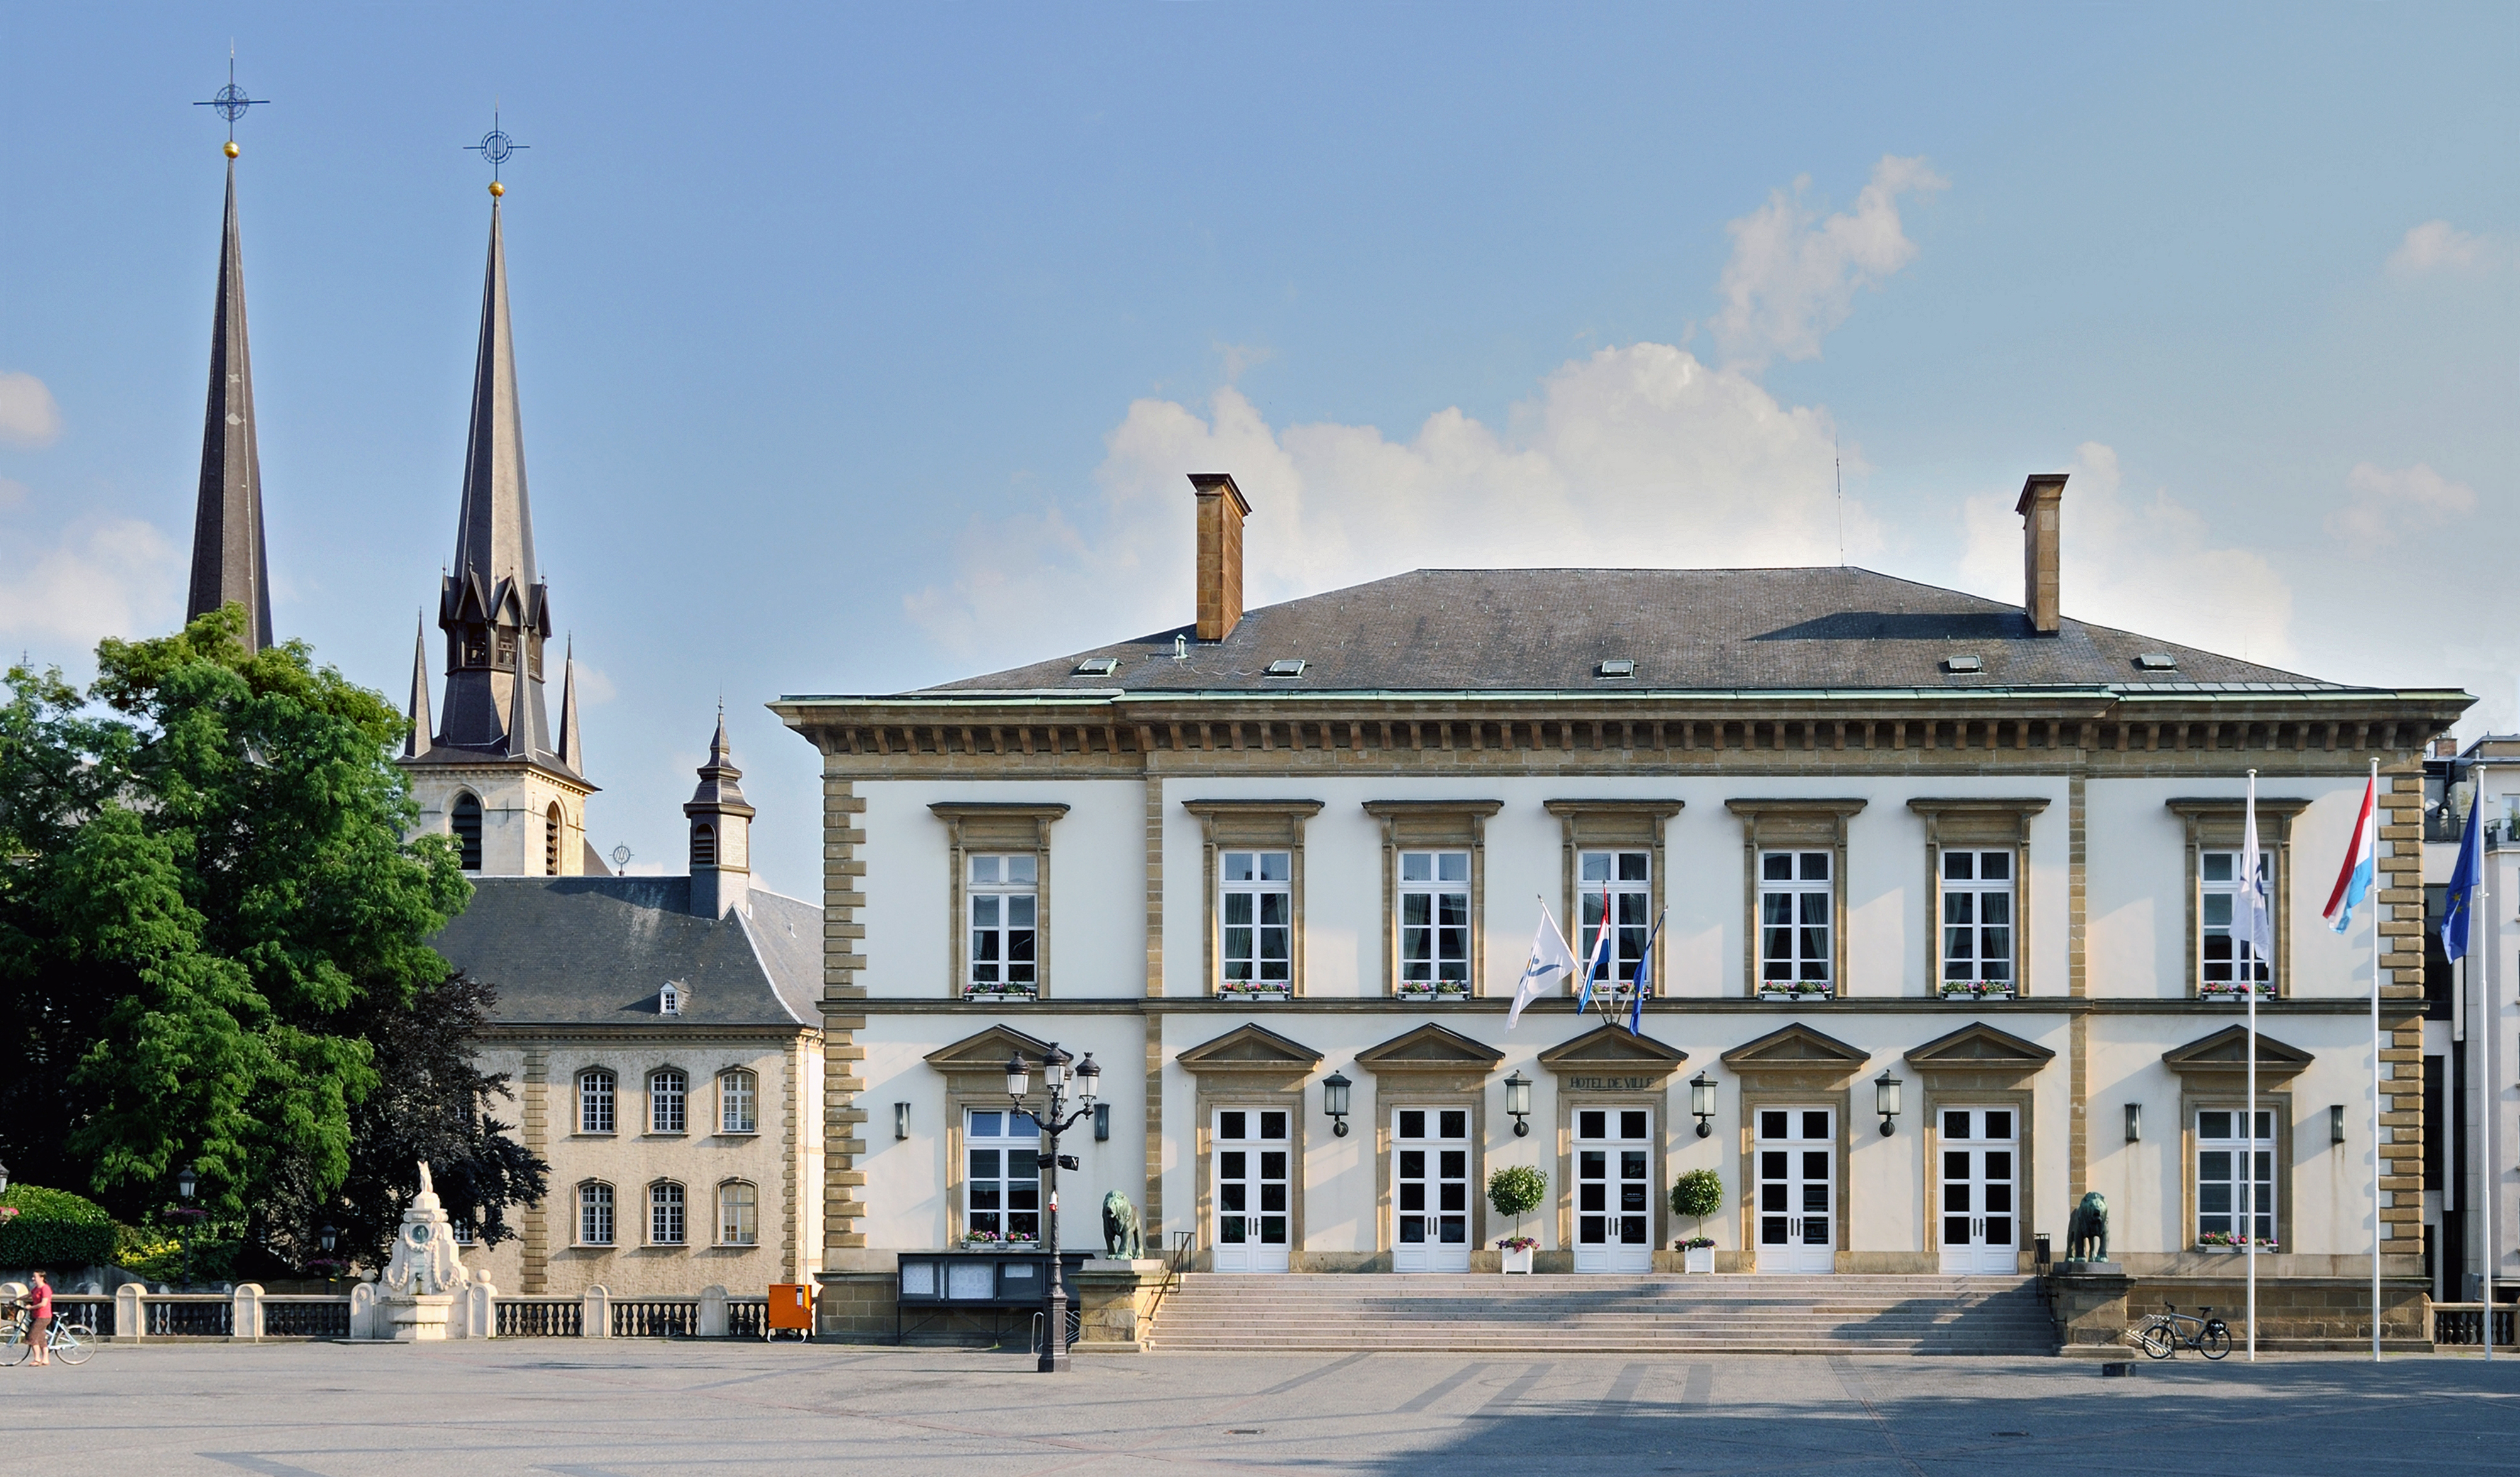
<point x="1837" y="465"/>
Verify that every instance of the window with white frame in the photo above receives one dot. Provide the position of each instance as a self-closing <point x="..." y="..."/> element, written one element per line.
<point x="2231" y="1161"/>
<point x="464" y="1234"/>
<point x="1435" y="922"/>
<point x="595" y="1090"/>
<point x="666" y="1091"/>
<point x="738" y="1102"/>
<point x="1977" y="919"/>
<point x="1797" y="916"/>
<point x="1256" y="914"/>
<point x="595" y="1214"/>
<point x="665" y="1213"/>
<point x="1005" y="924"/>
<point x="2227" y="960"/>
<point x="738" y="1208"/>
<point x="1616" y="886"/>
<point x="1002" y="1177"/>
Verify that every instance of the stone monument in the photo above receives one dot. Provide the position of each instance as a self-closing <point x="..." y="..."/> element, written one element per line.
<point x="424" y="1274"/>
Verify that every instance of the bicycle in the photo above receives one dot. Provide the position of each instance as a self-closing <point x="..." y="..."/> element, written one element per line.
<point x="65" y="1341"/>
<point x="2165" y="1333"/>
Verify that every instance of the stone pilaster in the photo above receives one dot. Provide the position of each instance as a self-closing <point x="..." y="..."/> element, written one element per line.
<point x="2078" y="1066"/>
<point x="2399" y="918"/>
<point x="534" y="1113"/>
<point x="843" y="901"/>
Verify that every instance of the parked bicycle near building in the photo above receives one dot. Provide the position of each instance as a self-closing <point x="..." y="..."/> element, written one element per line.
<point x="2165" y="1333"/>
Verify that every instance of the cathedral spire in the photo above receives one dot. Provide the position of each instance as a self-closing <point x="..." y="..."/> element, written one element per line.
<point x="721" y="826"/>
<point x="416" y="742"/>
<point x="228" y="562"/>
<point x="570" y="758"/>
<point x="493" y="604"/>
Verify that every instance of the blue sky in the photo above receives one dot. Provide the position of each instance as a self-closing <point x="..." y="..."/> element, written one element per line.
<point x="863" y="349"/>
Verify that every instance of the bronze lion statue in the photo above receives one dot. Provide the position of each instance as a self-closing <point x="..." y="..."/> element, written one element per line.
<point x="2087" y="1236"/>
<point x="1120" y="1234"/>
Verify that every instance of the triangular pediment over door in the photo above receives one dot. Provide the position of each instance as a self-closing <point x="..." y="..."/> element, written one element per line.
<point x="1979" y="1054"/>
<point x="1429" y="1048"/>
<point x="1254" y="1056"/>
<point x="1799" y="1049"/>
<point x="1613" y="1052"/>
<point x="977" y="1064"/>
<point x="2226" y="1055"/>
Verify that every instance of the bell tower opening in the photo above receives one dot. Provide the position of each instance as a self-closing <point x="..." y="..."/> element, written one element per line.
<point x="704" y="845"/>
<point x="553" y="827"/>
<point x="467" y="817"/>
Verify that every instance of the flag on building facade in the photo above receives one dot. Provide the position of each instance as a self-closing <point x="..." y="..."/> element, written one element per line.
<point x="2465" y="878"/>
<point x="2362" y="860"/>
<point x="1601" y="952"/>
<point x="1550" y="956"/>
<point x="2256" y="925"/>
<point x="1643" y="982"/>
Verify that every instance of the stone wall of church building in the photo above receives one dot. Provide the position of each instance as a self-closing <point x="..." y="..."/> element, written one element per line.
<point x="776" y="1159"/>
<point x="516" y="804"/>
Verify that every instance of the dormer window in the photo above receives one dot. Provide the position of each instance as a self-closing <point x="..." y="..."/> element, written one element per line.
<point x="670" y="1000"/>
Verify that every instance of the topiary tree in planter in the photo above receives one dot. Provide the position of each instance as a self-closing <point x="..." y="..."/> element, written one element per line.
<point x="1697" y="1194"/>
<point x="1515" y="1191"/>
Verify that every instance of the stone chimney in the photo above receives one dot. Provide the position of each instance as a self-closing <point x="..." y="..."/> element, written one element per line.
<point x="2042" y="495"/>
<point x="1221" y="511"/>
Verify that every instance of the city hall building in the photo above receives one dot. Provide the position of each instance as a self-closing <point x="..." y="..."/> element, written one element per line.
<point x="1945" y="896"/>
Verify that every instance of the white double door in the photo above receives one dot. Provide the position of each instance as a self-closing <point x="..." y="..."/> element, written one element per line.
<point x="1981" y="1230"/>
<point x="1253" y="1221"/>
<point x="1430" y="1190"/>
<point x="1614" y="1190"/>
<point x="1798" y="1216"/>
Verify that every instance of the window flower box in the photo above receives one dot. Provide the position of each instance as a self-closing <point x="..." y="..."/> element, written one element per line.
<point x="1442" y="989"/>
<point x="998" y="991"/>
<point x="1697" y="1254"/>
<point x="2221" y="1240"/>
<point x="2224" y="988"/>
<point x="1517" y="1253"/>
<point x="1977" y="989"/>
<point x="1244" y="989"/>
<point x="1796" y="992"/>
<point x="990" y="1240"/>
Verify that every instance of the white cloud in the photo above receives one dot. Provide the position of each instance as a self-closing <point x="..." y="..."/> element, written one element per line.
<point x="1636" y="456"/>
<point x="28" y="414"/>
<point x="593" y="688"/>
<point x="12" y="493"/>
<point x="1793" y="274"/>
<point x="2145" y="564"/>
<point x="2439" y="245"/>
<point x="2385" y="502"/>
<point x="101" y="577"/>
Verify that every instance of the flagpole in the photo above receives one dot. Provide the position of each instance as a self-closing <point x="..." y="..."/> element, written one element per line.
<point x="2486" y="1013"/>
<point x="2249" y="984"/>
<point x="2376" y="1067"/>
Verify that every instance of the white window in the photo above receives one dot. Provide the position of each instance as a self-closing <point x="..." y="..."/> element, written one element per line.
<point x="670" y="1000"/>
<point x="1002" y="1177"/>
<point x="595" y="1214"/>
<point x="463" y="1235"/>
<point x="1435" y="922"/>
<point x="1977" y="922"/>
<point x="2228" y="961"/>
<point x="1005" y="921"/>
<point x="737" y="1099"/>
<point x="666" y="1091"/>
<point x="665" y="1213"/>
<point x="2227" y="1166"/>
<point x="1796" y="905"/>
<point x="1616" y="886"/>
<point x="1257" y="911"/>
<point x="595" y="1103"/>
<point x="736" y="1222"/>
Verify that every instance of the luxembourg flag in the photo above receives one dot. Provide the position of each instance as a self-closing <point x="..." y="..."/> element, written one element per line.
<point x="2360" y="862"/>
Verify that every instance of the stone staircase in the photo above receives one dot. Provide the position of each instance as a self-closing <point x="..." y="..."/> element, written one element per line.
<point x="1606" y="1315"/>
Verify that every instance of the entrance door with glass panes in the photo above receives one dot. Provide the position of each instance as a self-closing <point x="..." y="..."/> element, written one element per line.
<point x="1981" y="1227"/>
<point x="1430" y="1190"/>
<point x="1253" y="1218"/>
<point x="1614" y="1190"/>
<point x="1797" y="1154"/>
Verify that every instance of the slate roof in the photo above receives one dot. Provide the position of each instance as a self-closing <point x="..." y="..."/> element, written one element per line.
<point x="595" y="951"/>
<point x="1725" y="630"/>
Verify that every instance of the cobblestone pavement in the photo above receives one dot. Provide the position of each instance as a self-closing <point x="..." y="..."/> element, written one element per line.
<point x="602" y="1409"/>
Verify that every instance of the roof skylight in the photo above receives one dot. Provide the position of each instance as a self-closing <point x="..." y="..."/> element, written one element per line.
<point x="2156" y="661"/>
<point x="1292" y="666"/>
<point x="1616" y="666"/>
<point x="1097" y="666"/>
<point x="1959" y="664"/>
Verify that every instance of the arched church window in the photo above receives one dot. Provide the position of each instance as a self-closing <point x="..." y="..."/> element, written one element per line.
<point x="467" y="816"/>
<point x="553" y="827"/>
<point x="704" y="845"/>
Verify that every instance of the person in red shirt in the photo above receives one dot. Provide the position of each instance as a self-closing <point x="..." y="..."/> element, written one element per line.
<point x="39" y="1308"/>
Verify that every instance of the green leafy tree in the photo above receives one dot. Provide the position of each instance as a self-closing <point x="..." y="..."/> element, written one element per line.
<point x="209" y="915"/>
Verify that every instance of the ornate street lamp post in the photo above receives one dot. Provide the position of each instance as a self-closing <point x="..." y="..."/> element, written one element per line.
<point x="1055" y="1121"/>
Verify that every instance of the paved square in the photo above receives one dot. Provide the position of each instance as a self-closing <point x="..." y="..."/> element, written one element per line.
<point x="588" y="1409"/>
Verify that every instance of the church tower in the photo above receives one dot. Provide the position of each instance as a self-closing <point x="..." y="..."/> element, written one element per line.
<point x="721" y="834"/>
<point x="491" y="774"/>
<point x="227" y="521"/>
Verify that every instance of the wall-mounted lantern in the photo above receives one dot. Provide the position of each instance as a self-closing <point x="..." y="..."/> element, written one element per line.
<point x="1886" y="1091"/>
<point x="2336" y="1123"/>
<point x="901" y="1120"/>
<point x="2134" y="1123"/>
<point x="1335" y="1101"/>
<point x="1517" y="1102"/>
<point x="1101" y="1123"/>
<point x="1701" y="1103"/>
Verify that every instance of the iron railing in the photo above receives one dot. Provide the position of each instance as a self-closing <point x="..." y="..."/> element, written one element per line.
<point x="1174" y="1266"/>
<point x="748" y="1317"/>
<point x="541" y="1318"/>
<point x="2464" y="1325"/>
<point x="318" y="1317"/>
<point x="189" y="1315"/>
<point x="656" y="1318"/>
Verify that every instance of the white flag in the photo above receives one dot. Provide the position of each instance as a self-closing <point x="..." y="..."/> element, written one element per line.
<point x="1548" y="956"/>
<point x="2256" y="923"/>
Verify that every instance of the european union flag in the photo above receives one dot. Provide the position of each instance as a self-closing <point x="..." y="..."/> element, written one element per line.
<point x="2464" y="881"/>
